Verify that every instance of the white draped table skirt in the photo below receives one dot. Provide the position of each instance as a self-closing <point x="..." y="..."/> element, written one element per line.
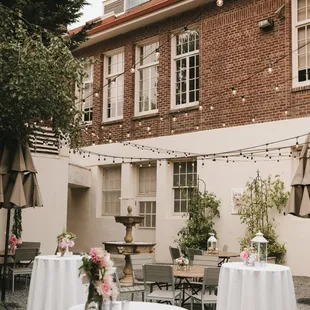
<point x="55" y="283"/>
<point x="243" y="287"/>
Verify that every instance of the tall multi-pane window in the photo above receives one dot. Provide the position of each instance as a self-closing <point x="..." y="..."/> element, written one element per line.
<point x="301" y="40"/>
<point x="146" y="196"/>
<point x="146" y="79"/>
<point x="186" y="68"/>
<point x="114" y="92"/>
<point x="84" y="95"/>
<point x="111" y="191"/>
<point x="184" y="181"/>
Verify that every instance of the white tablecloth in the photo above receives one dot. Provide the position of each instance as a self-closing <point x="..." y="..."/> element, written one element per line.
<point x="55" y="283"/>
<point x="255" y="288"/>
<point x="135" y="305"/>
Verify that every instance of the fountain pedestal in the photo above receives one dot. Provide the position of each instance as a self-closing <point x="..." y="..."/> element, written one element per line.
<point x="128" y="247"/>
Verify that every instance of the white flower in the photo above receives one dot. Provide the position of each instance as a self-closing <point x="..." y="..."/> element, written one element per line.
<point x="110" y="270"/>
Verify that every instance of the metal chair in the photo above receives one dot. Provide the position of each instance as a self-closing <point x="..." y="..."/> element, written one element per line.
<point x="22" y="254"/>
<point x="235" y="259"/>
<point x="160" y="274"/>
<point x="174" y="253"/>
<point x="136" y="262"/>
<point x="210" y="281"/>
<point x="205" y="261"/>
<point x="225" y="248"/>
<point x="129" y="289"/>
<point x="192" y="252"/>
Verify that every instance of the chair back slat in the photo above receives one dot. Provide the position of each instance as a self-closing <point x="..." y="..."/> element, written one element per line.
<point x="158" y="273"/>
<point x="192" y="252"/>
<point x="25" y="254"/>
<point x="27" y="244"/>
<point x="174" y="253"/>
<point x="210" y="278"/>
<point x="205" y="261"/>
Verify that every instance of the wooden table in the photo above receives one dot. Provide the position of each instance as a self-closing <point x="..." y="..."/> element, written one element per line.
<point x="224" y="256"/>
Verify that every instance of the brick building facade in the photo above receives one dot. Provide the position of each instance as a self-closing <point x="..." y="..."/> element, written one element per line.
<point x="233" y="51"/>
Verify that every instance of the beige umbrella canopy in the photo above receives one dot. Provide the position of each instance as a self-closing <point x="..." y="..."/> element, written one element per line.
<point x="18" y="184"/>
<point x="299" y="200"/>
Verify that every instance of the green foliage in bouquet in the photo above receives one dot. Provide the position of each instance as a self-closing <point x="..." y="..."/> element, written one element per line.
<point x="203" y="208"/>
<point x="261" y="198"/>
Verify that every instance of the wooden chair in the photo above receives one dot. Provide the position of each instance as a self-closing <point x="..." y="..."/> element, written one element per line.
<point x="192" y="252"/>
<point x="29" y="244"/>
<point x="174" y="253"/>
<point x="210" y="281"/>
<point x="205" y="261"/>
<point x="129" y="289"/>
<point x="22" y="254"/>
<point x="160" y="274"/>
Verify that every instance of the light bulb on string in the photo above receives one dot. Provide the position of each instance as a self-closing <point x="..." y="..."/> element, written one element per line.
<point x="132" y="70"/>
<point x="161" y="118"/>
<point x="253" y="120"/>
<point x="140" y="123"/>
<point x="234" y="90"/>
<point x="297" y="143"/>
<point x="224" y="125"/>
<point x="266" y="150"/>
<point x="128" y="134"/>
<point x="157" y="52"/>
<point x="280" y="152"/>
<point x="211" y="108"/>
<point x="243" y="98"/>
<point x="150" y="133"/>
<point x="113" y="81"/>
<point x="140" y="165"/>
<point x="269" y="70"/>
<point x="148" y="128"/>
<point x="98" y="157"/>
<point x="202" y="163"/>
<point x="186" y="30"/>
<point x="219" y="2"/>
<point x="96" y="94"/>
<point x="285" y="112"/>
<point x="276" y="88"/>
<point x="172" y="131"/>
<point x="186" y="114"/>
<point x="200" y="107"/>
<point x="174" y="118"/>
<point x="197" y="127"/>
<point x="149" y="164"/>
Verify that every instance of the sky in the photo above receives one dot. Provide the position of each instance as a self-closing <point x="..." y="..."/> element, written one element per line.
<point x="94" y="9"/>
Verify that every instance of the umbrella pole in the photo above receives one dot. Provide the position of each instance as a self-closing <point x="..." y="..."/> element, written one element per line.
<point x="4" y="275"/>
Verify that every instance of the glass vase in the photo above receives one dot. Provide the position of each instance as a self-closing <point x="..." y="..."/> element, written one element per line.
<point x="94" y="300"/>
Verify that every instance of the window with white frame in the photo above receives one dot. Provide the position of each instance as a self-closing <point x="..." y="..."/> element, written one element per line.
<point x="114" y="91"/>
<point x="186" y="69"/>
<point x="84" y="95"/>
<point x="184" y="181"/>
<point x="146" y="78"/>
<point x="146" y="196"/>
<point x="111" y="191"/>
<point x="301" y="40"/>
<point x="133" y="3"/>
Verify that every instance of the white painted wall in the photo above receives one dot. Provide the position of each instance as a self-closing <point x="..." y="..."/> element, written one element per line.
<point x="220" y="178"/>
<point x="44" y="224"/>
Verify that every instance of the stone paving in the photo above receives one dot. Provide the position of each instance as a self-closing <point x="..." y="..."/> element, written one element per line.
<point x="18" y="300"/>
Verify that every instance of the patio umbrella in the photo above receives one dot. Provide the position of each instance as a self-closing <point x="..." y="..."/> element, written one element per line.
<point x="299" y="201"/>
<point x="18" y="186"/>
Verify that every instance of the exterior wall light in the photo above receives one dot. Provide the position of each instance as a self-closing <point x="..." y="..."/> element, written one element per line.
<point x="266" y="23"/>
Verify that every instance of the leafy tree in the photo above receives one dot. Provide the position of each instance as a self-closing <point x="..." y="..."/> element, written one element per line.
<point x="36" y="82"/>
<point x="17" y="223"/>
<point x="52" y="15"/>
<point x="202" y="209"/>
<point x="261" y="197"/>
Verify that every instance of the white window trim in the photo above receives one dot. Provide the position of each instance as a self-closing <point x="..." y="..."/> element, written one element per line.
<point x="138" y="45"/>
<point x="105" y="89"/>
<point x="295" y="26"/>
<point x="173" y="69"/>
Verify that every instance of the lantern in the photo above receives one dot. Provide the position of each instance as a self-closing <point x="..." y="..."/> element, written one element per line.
<point x="260" y="244"/>
<point x="212" y="244"/>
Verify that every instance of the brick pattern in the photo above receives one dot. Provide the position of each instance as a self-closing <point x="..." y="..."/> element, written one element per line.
<point x="232" y="50"/>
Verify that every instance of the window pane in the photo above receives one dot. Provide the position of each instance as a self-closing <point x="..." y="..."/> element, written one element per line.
<point x="148" y="210"/>
<point x="147" y="180"/>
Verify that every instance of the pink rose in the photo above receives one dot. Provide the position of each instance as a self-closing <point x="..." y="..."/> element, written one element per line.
<point x="244" y="255"/>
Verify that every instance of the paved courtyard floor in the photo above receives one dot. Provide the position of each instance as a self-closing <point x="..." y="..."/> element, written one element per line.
<point x="18" y="300"/>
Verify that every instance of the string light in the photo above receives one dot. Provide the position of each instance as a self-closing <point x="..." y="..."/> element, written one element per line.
<point x="128" y="134"/>
<point x="132" y="70"/>
<point x="96" y="94"/>
<point x="234" y="90"/>
<point x="224" y="125"/>
<point x="174" y="118"/>
<point x="253" y="120"/>
<point x="186" y="30"/>
<point x="197" y="127"/>
<point x="269" y="70"/>
<point x="211" y="108"/>
<point x="161" y="118"/>
<point x="276" y="88"/>
<point x="157" y="52"/>
<point x="243" y="99"/>
<point x="113" y="81"/>
<point x="200" y="107"/>
<point x="297" y="143"/>
<point x="219" y="2"/>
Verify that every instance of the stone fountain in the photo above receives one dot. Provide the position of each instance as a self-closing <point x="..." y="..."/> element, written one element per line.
<point x="127" y="246"/>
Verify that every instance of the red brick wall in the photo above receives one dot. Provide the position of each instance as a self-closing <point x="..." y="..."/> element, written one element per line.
<point x="232" y="49"/>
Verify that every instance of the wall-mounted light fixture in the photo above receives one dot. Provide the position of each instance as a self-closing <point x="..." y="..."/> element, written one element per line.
<point x="266" y="23"/>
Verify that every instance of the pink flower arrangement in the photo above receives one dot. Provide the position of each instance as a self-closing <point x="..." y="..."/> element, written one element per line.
<point x="65" y="242"/>
<point x="13" y="243"/>
<point x="97" y="269"/>
<point x="245" y="254"/>
<point x="65" y="239"/>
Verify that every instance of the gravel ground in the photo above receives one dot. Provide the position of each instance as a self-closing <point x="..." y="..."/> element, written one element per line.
<point x="18" y="300"/>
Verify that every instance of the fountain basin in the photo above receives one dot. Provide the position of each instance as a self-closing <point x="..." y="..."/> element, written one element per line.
<point x="121" y="247"/>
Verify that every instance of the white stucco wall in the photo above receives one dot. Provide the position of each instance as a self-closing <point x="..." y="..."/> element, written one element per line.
<point x="220" y="178"/>
<point x="44" y="224"/>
